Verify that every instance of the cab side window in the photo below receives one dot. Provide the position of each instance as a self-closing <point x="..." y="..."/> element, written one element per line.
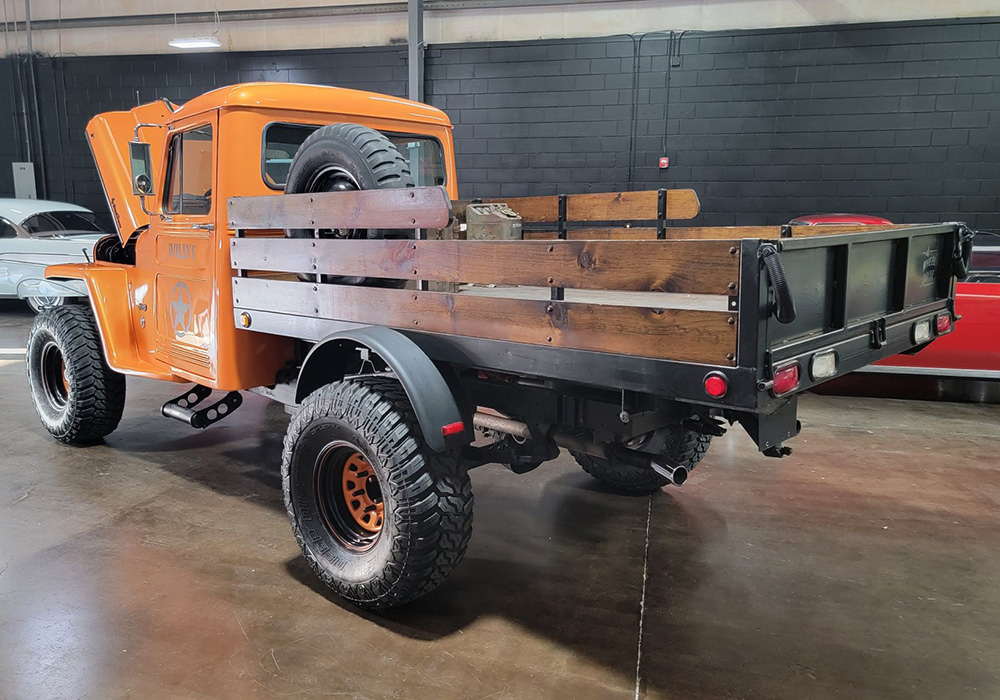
<point x="7" y="230"/>
<point x="189" y="189"/>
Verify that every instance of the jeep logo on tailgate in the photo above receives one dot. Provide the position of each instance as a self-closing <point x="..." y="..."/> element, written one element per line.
<point x="181" y="251"/>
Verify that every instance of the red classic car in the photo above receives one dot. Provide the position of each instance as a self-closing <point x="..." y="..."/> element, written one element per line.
<point x="973" y="349"/>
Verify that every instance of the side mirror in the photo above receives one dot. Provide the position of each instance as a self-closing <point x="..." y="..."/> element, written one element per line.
<point x="142" y="169"/>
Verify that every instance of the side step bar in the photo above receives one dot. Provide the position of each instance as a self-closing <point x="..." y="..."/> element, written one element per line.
<point x="183" y="407"/>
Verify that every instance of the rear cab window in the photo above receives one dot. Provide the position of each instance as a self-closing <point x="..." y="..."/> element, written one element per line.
<point x="280" y="142"/>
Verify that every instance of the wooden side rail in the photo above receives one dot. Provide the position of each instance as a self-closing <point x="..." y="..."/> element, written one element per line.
<point x="707" y="337"/>
<point x="634" y="310"/>
<point x="606" y="206"/>
<point x="411" y="207"/>
<point x="690" y="233"/>
<point x="688" y="267"/>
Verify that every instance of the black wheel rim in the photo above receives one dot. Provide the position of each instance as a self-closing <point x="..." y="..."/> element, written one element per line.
<point x="334" y="178"/>
<point x="349" y="496"/>
<point x="53" y="374"/>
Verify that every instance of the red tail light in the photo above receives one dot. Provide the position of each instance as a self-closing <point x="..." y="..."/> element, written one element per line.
<point x="943" y="323"/>
<point x="452" y="428"/>
<point x="786" y="379"/>
<point x="716" y="385"/>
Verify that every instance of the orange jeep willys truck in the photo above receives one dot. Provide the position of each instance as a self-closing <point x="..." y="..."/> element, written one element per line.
<point x="307" y="243"/>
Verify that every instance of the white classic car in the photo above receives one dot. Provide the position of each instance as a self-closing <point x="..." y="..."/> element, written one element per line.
<point x="34" y="234"/>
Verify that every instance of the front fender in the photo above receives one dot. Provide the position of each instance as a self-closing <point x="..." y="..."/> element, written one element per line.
<point x="107" y="286"/>
<point x="430" y="395"/>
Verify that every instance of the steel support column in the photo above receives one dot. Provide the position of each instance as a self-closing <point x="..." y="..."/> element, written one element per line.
<point x="415" y="50"/>
<point x="38" y="157"/>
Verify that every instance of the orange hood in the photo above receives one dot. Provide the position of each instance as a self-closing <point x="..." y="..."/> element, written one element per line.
<point x="108" y="135"/>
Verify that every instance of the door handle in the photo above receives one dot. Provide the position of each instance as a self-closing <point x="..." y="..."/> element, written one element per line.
<point x="204" y="227"/>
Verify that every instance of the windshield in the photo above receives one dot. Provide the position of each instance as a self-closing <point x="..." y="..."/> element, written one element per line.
<point x="61" y="223"/>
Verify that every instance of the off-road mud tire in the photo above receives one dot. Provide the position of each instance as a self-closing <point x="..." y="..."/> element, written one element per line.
<point x="678" y="446"/>
<point x="427" y="496"/>
<point x="370" y="159"/>
<point x="88" y="405"/>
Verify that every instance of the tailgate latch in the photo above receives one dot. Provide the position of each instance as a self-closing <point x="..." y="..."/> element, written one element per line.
<point x="877" y="332"/>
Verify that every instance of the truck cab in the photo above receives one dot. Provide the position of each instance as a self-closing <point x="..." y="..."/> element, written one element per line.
<point x="165" y="306"/>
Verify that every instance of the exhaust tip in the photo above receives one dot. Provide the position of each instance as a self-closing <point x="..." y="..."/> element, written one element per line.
<point x="676" y="475"/>
<point x="680" y="476"/>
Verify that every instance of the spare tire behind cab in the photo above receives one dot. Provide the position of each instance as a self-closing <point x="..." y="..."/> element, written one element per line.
<point x="341" y="157"/>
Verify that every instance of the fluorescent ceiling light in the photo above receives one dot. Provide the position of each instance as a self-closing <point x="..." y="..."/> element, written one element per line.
<point x="196" y="42"/>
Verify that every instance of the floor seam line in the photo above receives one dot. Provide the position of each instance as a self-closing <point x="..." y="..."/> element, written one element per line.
<point x="642" y="598"/>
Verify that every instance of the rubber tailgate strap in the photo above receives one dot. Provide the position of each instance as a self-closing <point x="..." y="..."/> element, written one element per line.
<point x="784" y="307"/>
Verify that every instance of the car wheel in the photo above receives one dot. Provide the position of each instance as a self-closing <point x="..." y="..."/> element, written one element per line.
<point x="380" y="518"/>
<point x="348" y="157"/>
<point x="678" y="446"/>
<point x="78" y="397"/>
<point x="39" y="304"/>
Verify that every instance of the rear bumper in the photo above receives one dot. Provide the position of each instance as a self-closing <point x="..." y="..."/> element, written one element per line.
<point x="856" y="347"/>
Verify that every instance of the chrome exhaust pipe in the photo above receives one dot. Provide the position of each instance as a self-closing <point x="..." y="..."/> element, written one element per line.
<point x="675" y="475"/>
<point x="500" y="424"/>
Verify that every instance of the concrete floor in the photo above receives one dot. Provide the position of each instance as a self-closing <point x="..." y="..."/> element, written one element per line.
<point x="161" y="565"/>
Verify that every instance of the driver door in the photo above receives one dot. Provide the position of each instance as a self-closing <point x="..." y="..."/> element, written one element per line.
<point x="183" y="240"/>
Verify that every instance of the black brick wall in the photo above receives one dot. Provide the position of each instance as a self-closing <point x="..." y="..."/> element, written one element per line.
<point x="765" y="125"/>
<point x="901" y="120"/>
<point x="72" y="90"/>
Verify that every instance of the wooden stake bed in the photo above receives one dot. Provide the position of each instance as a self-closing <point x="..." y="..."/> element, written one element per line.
<point x="647" y="327"/>
<point x="599" y="273"/>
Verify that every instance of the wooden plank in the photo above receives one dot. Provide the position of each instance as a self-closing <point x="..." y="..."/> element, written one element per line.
<point x="692" y="233"/>
<point x="707" y="337"/>
<point x="661" y="300"/>
<point x="625" y="206"/>
<point x="635" y="233"/>
<point x="830" y="229"/>
<point x="605" y="206"/>
<point x="411" y="207"/>
<point x="702" y="233"/>
<point x="689" y="267"/>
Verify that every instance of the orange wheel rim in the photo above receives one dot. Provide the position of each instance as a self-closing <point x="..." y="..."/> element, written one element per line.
<point x="361" y="493"/>
<point x="65" y="379"/>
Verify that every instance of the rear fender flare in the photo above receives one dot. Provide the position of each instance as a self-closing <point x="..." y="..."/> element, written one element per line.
<point x="430" y="394"/>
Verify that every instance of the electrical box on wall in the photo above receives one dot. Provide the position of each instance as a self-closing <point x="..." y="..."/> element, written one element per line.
<point x="664" y="163"/>
<point x="24" y="181"/>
